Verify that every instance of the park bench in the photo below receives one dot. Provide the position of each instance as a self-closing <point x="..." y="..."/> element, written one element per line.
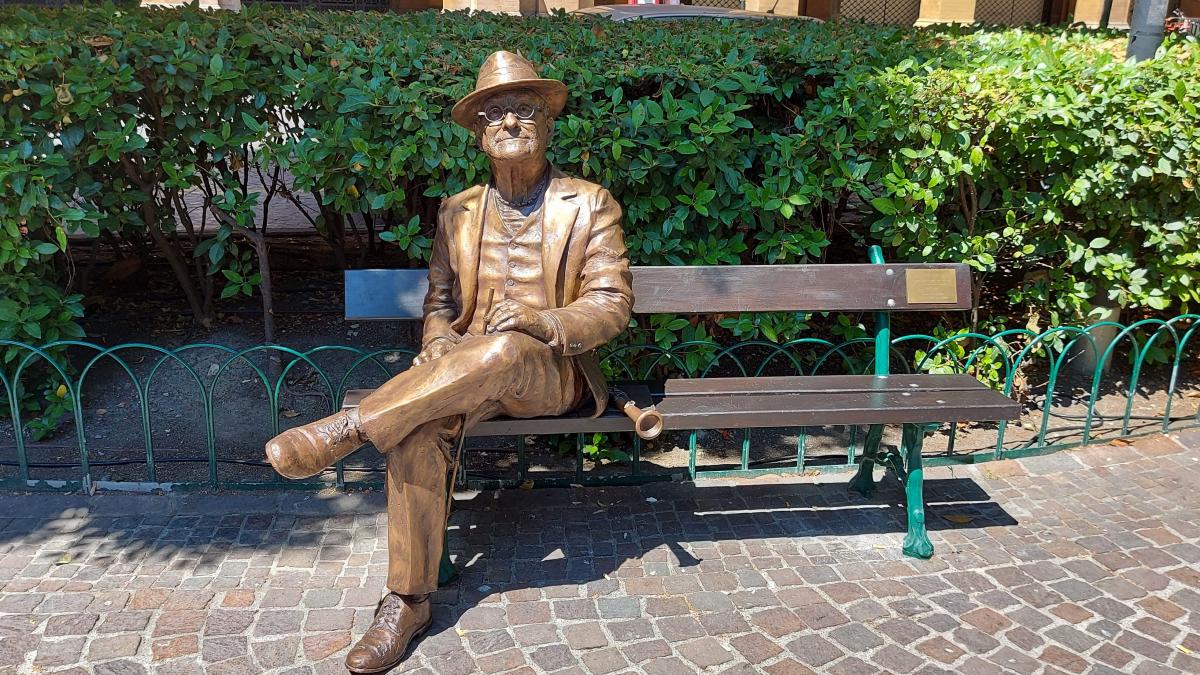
<point x="918" y="402"/>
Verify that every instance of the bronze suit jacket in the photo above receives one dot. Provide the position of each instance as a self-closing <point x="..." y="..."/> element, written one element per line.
<point x="585" y="269"/>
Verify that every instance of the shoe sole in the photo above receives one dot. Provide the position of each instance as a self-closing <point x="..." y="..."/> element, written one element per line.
<point x="419" y="632"/>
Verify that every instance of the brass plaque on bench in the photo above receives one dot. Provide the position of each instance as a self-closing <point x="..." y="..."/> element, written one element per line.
<point x="931" y="286"/>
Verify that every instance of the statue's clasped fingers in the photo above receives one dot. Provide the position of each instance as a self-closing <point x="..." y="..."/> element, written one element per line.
<point x="510" y="315"/>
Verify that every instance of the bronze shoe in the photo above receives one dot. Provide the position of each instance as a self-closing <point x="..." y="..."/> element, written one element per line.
<point x="308" y="450"/>
<point x="398" y="621"/>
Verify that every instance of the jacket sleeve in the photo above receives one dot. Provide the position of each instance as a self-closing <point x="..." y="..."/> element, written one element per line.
<point x="440" y="308"/>
<point x="602" y="309"/>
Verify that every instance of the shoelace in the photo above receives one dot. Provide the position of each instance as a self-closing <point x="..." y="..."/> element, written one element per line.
<point x="340" y="428"/>
<point x="385" y="618"/>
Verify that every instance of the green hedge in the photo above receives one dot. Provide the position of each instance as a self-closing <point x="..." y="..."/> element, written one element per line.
<point x="1058" y="172"/>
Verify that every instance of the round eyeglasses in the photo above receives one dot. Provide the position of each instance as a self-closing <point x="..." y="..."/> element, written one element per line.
<point x="496" y="113"/>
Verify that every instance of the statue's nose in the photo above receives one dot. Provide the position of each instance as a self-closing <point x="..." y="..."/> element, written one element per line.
<point x="511" y="121"/>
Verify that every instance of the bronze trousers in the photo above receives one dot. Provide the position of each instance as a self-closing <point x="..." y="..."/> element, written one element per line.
<point x="415" y="417"/>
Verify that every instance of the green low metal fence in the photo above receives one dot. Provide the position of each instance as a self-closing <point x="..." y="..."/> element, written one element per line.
<point x="1150" y="388"/>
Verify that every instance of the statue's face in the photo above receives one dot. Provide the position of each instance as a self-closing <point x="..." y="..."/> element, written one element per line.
<point x="512" y="137"/>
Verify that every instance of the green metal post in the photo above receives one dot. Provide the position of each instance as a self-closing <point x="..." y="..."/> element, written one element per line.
<point x="692" y="454"/>
<point x="637" y="455"/>
<point x="801" y="448"/>
<point x="864" y="481"/>
<point x="579" y="459"/>
<point x="447" y="572"/>
<point x="522" y="459"/>
<point x="883" y="325"/>
<point x="745" y="449"/>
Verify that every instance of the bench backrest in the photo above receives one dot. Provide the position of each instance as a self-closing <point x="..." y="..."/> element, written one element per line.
<point x="397" y="294"/>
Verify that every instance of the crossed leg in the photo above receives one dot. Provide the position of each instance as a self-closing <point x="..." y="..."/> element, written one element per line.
<point x="415" y="417"/>
<point x="483" y="376"/>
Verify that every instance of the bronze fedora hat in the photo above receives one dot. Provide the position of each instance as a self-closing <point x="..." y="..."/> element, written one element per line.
<point x="505" y="70"/>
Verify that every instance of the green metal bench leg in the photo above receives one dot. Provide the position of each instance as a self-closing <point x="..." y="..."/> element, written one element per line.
<point x="916" y="544"/>
<point x="864" y="481"/>
<point x="447" y="572"/>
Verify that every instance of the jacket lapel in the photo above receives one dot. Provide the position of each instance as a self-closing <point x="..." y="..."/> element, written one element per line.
<point x="469" y="229"/>
<point x="560" y="211"/>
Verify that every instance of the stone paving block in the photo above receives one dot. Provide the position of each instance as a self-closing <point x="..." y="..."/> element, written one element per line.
<point x="705" y="652"/>
<point x="777" y="622"/>
<point x="321" y="645"/>
<point x="894" y="658"/>
<point x="940" y="649"/>
<point x="536" y="634"/>
<point x="321" y="620"/>
<point x="222" y="648"/>
<point x="668" y="665"/>
<point x="70" y="624"/>
<point x="587" y="635"/>
<point x="275" y="653"/>
<point x="603" y="661"/>
<point x="553" y="657"/>
<point x="856" y="638"/>
<point x="628" y="631"/>
<point x="814" y="650"/>
<point x="501" y="661"/>
<point x="755" y="648"/>
<point x="1014" y="660"/>
<point x="646" y="650"/>
<point x="181" y="621"/>
<point x="14" y="648"/>
<point x="787" y="666"/>
<point x="174" y="647"/>
<point x="489" y="641"/>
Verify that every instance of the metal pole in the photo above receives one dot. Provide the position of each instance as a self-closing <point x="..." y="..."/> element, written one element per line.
<point x="1146" y="29"/>
<point x="883" y="324"/>
<point x="1106" y="13"/>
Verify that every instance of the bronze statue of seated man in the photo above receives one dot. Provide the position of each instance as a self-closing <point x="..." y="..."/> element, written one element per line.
<point x="528" y="276"/>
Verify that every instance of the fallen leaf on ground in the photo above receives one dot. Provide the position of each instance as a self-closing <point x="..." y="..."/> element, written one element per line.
<point x="1120" y="441"/>
<point x="288" y="412"/>
<point x="527" y="485"/>
<point x="958" y="518"/>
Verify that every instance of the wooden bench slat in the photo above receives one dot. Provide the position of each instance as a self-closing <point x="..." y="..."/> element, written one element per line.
<point x="822" y="409"/>
<point x="611" y="422"/>
<point x="738" y="409"/>
<point x="397" y="294"/>
<point x="571" y="423"/>
<point x="718" y="289"/>
<point x="385" y="294"/>
<point x="814" y="384"/>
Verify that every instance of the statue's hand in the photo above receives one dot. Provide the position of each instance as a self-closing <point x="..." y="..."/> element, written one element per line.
<point x="434" y="350"/>
<point x="512" y="315"/>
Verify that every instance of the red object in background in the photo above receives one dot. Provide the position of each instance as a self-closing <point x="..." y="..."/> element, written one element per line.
<point x="1178" y="23"/>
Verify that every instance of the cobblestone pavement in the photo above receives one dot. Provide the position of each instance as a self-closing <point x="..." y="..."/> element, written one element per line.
<point x="1083" y="561"/>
